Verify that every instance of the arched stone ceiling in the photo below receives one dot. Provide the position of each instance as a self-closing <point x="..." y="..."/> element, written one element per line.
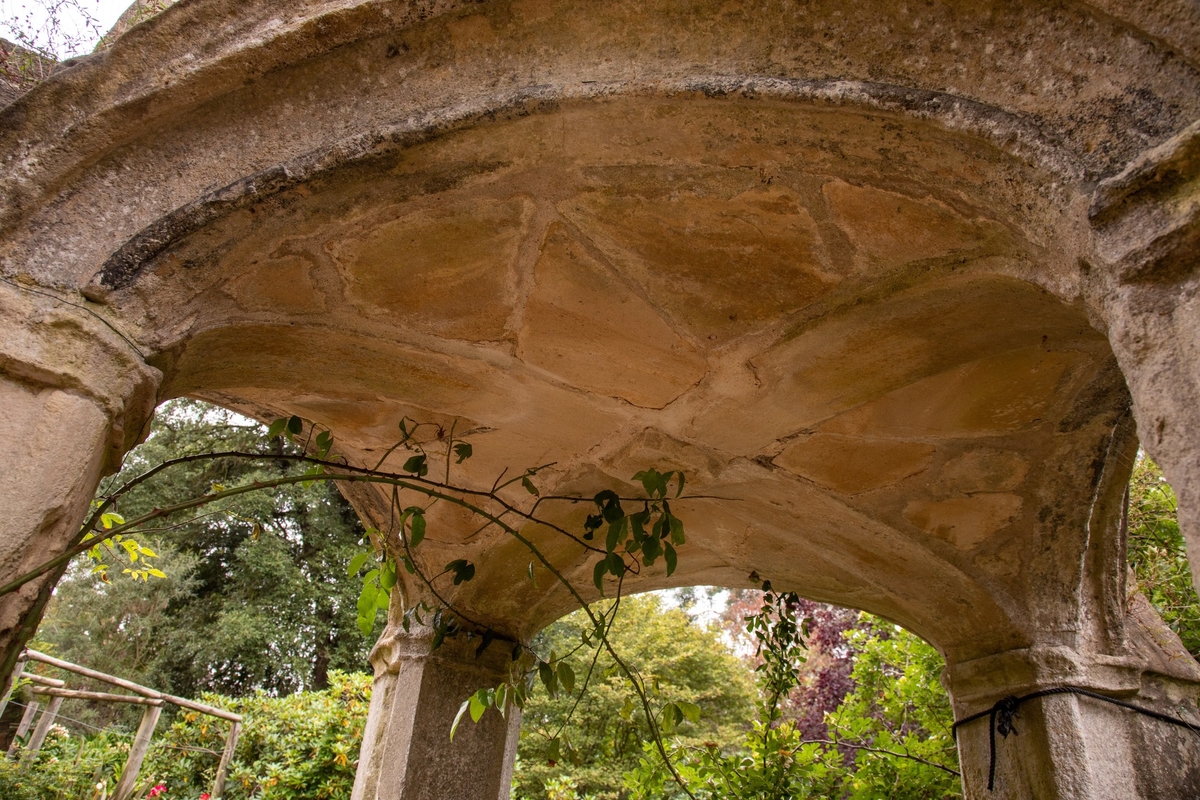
<point x="826" y="260"/>
<point x="839" y="339"/>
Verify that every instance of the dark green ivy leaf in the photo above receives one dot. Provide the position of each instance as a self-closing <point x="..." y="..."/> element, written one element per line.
<point x="598" y="573"/>
<point x="417" y="528"/>
<point x="417" y="466"/>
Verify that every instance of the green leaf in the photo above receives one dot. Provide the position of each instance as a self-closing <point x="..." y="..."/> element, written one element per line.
<point x="277" y="427"/>
<point x="679" y="491"/>
<point x="158" y="573"/>
<point x="463" y="570"/>
<point x="690" y="711"/>
<point x="356" y="564"/>
<point x="501" y="699"/>
<point x="366" y="600"/>
<point x="616" y="565"/>
<point x="612" y="511"/>
<point x="671" y="558"/>
<point x="387" y="576"/>
<point x="366" y="624"/>
<point x="671" y="717"/>
<point x="479" y="704"/>
<point x="627" y="709"/>
<point x="417" y="532"/>
<point x="111" y="518"/>
<point x="566" y="676"/>
<point x="549" y="678"/>
<point x="529" y="487"/>
<point x="677" y="536"/>
<point x="651" y="480"/>
<point x="651" y="550"/>
<point x="615" y="532"/>
<point x="417" y="466"/>
<point x="324" y="443"/>
<point x="463" y="451"/>
<point x="598" y="573"/>
<point x="295" y="426"/>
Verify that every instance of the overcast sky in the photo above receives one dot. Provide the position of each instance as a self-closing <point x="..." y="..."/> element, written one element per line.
<point x="32" y="16"/>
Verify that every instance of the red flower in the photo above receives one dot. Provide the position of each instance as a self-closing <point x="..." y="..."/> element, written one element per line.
<point x="157" y="790"/>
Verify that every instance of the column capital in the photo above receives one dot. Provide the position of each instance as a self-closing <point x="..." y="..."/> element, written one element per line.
<point x="1153" y="655"/>
<point x="396" y="646"/>
<point x="1147" y="217"/>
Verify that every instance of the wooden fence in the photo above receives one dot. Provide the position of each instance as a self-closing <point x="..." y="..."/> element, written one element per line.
<point x="54" y="691"/>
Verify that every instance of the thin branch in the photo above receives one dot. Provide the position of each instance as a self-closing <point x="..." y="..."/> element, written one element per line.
<point x="882" y="752"/>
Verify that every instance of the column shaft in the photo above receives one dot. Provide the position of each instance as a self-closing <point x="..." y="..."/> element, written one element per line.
<point x="407" y="753"/>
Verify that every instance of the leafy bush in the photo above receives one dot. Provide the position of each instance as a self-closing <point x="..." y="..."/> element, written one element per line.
<point x="304" y="745"/>
<point x="67" y="767"/>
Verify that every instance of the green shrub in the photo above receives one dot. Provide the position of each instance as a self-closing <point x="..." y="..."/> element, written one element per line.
<point x="303" y="745"/>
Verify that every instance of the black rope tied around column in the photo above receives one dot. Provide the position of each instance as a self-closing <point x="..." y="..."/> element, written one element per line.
<point x="1000" y="718"/>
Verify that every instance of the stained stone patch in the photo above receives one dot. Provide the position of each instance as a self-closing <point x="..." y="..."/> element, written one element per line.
<point x="1002" y="393"/>
<point x="441" y="269"/>
<point x="627" y="350"/>
<point x="892" y="229"/>
<point x="720" y="265"/>
<point x="851" y="464"/>
<point x="965" y="522"/>
<point x="285" y="282"/>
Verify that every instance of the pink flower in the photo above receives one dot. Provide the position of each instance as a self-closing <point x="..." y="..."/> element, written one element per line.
<point x="157" y="790"/>
<point x="205" y="796"/>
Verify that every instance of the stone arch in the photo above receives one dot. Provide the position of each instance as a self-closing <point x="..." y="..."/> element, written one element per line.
<point x="895" y="281"/>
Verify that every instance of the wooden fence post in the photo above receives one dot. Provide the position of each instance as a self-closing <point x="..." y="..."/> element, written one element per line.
<point x="137" y="752"/>
<point x="231" y="741"/>
<point x="12" y="682"/>
<point x="26" y="720"/>
<point x="43" y="727"/>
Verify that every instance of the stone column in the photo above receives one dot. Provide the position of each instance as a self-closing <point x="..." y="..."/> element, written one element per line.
<point x="1070" y="747"/>
<point x="1145" y="286"/>
<point x="406" y="751"/>
<point x="74" y="396"/>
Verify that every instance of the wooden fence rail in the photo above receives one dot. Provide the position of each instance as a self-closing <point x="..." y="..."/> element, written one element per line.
<point x="56" y="692"/>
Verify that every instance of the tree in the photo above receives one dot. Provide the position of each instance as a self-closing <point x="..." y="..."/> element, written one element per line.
<point x="255" y="595"/>
<point x="889" y="735"/>
<point x="684" y="662"/>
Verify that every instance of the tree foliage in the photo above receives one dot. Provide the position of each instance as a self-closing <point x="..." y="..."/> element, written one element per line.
<point x="255" y="595"/>
<point x="1158" y="553"/>
<point x="889" y="735"/>
<point x="683" y="662"/>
